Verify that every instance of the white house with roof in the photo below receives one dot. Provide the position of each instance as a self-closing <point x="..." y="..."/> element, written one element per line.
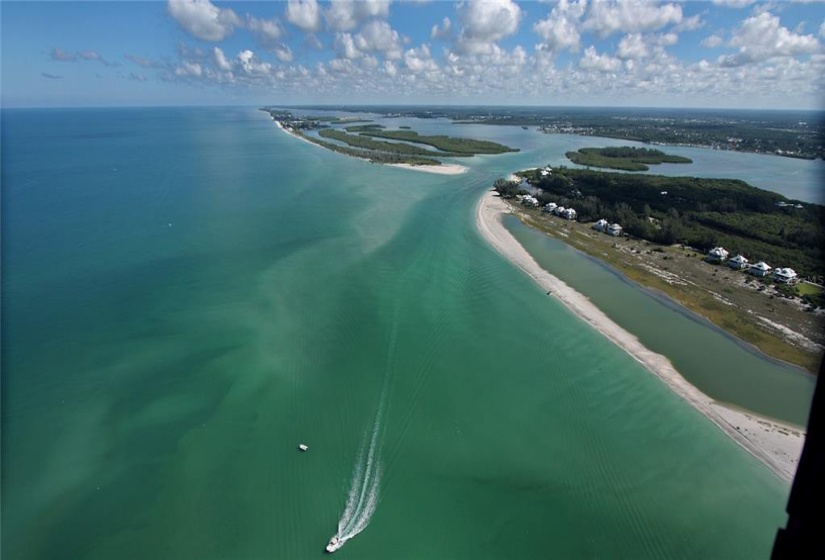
<point x="760" y="269"/>
<point x="614" y="230"/>
<point x="569" y="213"/>
<point x="785" y="275"/>
<point x="559" y="210"/>
<point x="550" y="206"/>
<point x="717" y="254"/>
<point x="601" y="225"/>
<point x="529" y="200"/>
<point x="738" y="262"/>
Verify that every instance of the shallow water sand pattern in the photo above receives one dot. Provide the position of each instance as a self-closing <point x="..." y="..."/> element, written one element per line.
<point x="157" y="378"/>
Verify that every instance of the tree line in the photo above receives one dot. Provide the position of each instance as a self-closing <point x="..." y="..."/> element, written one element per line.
<point x="701" y="213"/>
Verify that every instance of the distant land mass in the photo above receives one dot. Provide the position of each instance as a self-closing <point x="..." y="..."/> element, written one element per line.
<point x="797" y="134"/>
<point x="365" y="140"/>
<point x="625" y="158"/>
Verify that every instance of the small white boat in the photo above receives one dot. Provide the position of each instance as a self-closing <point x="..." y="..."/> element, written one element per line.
<point x="303" y="447"/>
<point x="334" y="544"/>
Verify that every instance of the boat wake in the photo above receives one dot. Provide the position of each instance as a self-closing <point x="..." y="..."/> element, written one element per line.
<point x="365" y="486"/>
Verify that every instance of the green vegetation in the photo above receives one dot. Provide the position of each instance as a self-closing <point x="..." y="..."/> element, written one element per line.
<point x="701" y="213"/>
<point x="366" y="143"/>
<point x="369" y="155"/>
<point x="337" y="120"/>
<point x="364" y="146"/>
<point x="699" y="288"/>
<point x="364" y="127"/>
<point x="626" y="158"/>
<point x="806" y="289"/>
<point x="465" y="146"/>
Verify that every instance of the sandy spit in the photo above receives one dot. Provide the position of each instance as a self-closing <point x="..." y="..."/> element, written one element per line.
<point x="776" y="445"/>
<point x="444" y="169"/>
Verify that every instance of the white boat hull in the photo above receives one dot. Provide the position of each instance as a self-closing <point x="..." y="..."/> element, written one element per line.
<point x="334" y="544"/>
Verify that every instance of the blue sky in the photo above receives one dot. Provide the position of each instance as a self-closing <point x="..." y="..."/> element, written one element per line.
<point x="720" y="53"/>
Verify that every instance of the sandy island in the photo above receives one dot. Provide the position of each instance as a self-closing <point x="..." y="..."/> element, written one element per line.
<point x="776" y="445"/>
<point x="443" y="169"/>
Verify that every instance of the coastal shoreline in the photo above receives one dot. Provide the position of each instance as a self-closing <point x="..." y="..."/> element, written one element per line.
<point x="776" y="445"/>
<point x="444" y="169"/>
<point x="291" y="133"/>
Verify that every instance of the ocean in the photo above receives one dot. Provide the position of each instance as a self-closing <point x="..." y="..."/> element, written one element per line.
<point x="188" y="294"/>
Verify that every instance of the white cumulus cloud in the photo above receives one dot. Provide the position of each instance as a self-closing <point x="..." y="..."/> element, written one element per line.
<point x="630" y="16"/>
<point x="761" y="38"/>
<point x="712" y="41"/>
<point x="304" y="14"/>
<point x="251" y="64"/>
<point x="345" y="46"/>
<point x="378" y="36"/>
<point x="221" y="61"/>
<point x="443" y="31"/>
<point x="734" y="3"/>
<point x="283" y="53"/>
<point x="632" y="47"/>
<point x="204" y="20"/>
<point x="485" y="22"/>
<point x="189" y="69"/>
<point x="691" y="23"/>
<point x="592" y="60"/>
<point x="267" y="30"/>
<point x="560" y="30"/>
<point x="345" y="15"/>
<point x="420" y="60"/>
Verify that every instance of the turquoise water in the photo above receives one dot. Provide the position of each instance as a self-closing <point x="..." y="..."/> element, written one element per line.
<point x="188" y="294"/>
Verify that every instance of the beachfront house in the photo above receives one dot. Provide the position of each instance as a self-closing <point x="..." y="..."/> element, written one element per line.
<point x="559" y="210"/>
<point x="601" y="225"/>
<point x="717" y="254"/>
<point x="614" y="230"/>
<point x="550" y="207"/>
<point x="760" y="269"/>
<point x="528" y="200"/>
<point x="738" y="262"/>
<point x="569" y="213"/>
<point x="785" y="275"/>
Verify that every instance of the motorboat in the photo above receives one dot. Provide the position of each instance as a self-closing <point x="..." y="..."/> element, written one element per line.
<point x="303" y="447"/>
<point x="334" y="544"/>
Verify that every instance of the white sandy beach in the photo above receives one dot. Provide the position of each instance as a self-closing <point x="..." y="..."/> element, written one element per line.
<point x="294" y="135"/>
<point x="443" y="169"/>
<point x="774" y="444"/>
